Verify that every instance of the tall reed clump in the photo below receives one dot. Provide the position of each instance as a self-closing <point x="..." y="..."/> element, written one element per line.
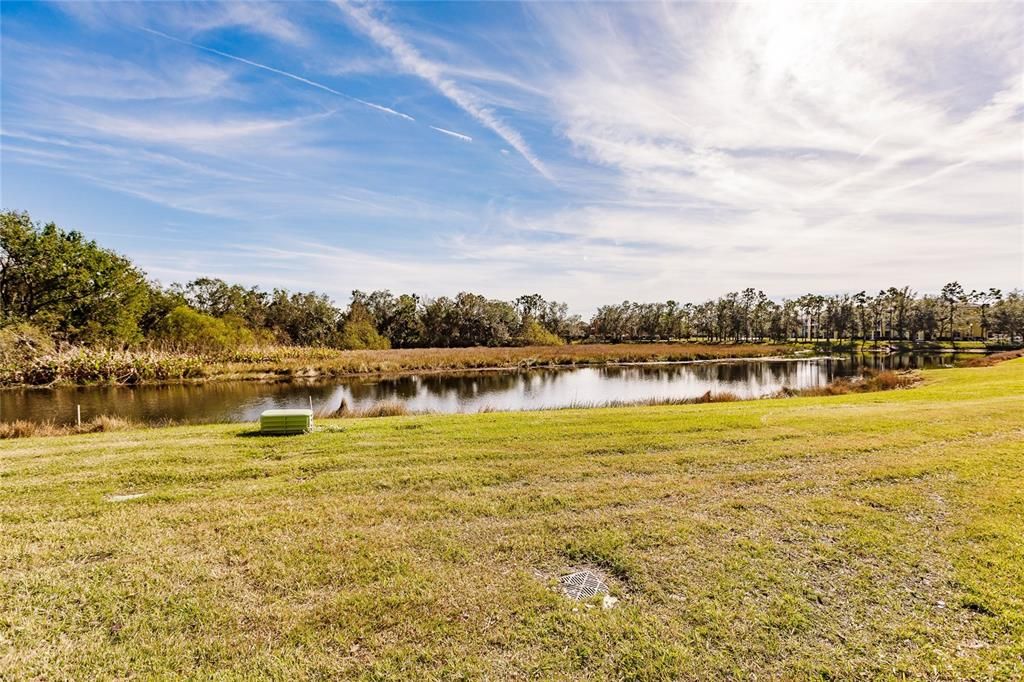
<point x="22" y="428"/>
<point x="995" y="358"/>
<point x="868" y="382"/>
<point x="384" y="408"/>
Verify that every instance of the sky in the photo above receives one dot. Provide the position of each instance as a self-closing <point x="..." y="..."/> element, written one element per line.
<point x="592" y="153"/>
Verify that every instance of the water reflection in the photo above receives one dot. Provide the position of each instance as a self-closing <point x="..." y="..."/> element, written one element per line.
<point x="466" y="392"/>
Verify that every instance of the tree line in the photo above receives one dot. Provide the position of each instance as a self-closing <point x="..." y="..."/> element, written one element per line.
<point x="59" y="286"/>
<point x="893" y="314"/>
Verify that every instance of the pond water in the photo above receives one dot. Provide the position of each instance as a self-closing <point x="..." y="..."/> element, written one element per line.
<point x="458" y="392"/>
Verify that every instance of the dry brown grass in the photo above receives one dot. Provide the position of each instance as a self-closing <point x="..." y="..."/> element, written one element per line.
<point x="385" y="408"/>
<point x="82" y="365"/>
<point x="320" y="362"/>
<point x="869" y="382"/>
<point x="994" y="358"/>
<point x="720" y="397"/>
<point x="23" y="428"/>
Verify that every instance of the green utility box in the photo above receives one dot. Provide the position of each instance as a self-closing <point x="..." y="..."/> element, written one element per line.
<point x="286" y="421"/>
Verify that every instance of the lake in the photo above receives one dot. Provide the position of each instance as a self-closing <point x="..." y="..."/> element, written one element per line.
<point x="240" y="401"/>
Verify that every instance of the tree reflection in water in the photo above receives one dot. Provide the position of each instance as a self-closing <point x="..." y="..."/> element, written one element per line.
<point x="455" y="392"/>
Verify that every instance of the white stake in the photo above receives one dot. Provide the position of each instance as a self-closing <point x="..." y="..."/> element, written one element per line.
<point x="310" y="403"/>
<point x="78" y="411"/>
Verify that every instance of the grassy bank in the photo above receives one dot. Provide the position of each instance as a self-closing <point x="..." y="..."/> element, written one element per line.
<point x="885" y="346"/>
<point x="878" y="533"/>
<point x="91" y="366"/>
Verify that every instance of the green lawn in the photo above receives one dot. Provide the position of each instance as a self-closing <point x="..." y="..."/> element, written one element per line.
<point x="876" y="534"/>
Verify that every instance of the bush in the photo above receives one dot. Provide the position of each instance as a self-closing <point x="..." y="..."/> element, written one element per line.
<point x="186" y="329"/>
<point x="22" y="342"/>
<point x="359" y="332"/>
<point x="534" y="334"/>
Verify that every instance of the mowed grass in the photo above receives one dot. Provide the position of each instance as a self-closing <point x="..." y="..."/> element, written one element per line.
<point x="877" y="535"/>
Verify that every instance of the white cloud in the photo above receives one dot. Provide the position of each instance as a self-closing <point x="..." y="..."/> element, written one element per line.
<point x="286" y="74"/>
<point x="77" y="74"/>
<point x="176" y="130"/>
<point x="258" y="17"/>
<point x="803" y="133"/>
<point x="700" y="147"/>
<point x="192" y="18"/>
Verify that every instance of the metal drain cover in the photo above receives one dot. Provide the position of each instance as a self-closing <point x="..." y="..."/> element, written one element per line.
<point x="582" y="585"/>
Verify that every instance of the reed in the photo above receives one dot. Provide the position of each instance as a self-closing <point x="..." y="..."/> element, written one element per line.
<point x="23" y="428"/>
<point x="868" y="382"/>
<point x="384" y="408"/>
<point x="995" y="358"/>
<point x="80" y="365"/>
<point x="708" y="397"/>
<point x="92" y="366"/>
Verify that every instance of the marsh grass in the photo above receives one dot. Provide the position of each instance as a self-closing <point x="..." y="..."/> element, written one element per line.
<point x="994" y="358"/>
<point x="95" y="366"/>
<point x="90" y="366"/>
<point x="869" y="381"/>
<point x="708" y="397"/>
<point x="383" y="408"/>
<point x="872" y="536"/>
<point x="23" y="428"/>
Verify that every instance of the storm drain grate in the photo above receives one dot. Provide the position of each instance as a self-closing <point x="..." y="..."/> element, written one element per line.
<point x="582" y="585"/>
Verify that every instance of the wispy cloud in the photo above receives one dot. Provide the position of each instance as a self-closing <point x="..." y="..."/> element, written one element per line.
<point x="200" y="131"/>
<point x="78" y="73"/>
<point x="411" y="60"/>
<point x="286" y="74"/>
<point x="460" y="136"/>
<point x="698" y="147"/>
<point x="265" y="19"/>
<point x="792" y="128"/>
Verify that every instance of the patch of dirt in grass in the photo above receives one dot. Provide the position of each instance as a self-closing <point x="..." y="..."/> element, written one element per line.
<point x="124" y="497"/>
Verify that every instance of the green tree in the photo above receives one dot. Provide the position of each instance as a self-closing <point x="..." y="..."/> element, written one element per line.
<point x="953" y="295"/>
<point x="359" y="332"/>
<point x="67" y="285"/>
<point x="305" y="319"/>
<point x="1008" y="315"/>
<point x="218" y="298"/>
<point x="190" y="330"/>
<point x="534" y="334"/>
<point x="985" y="299"/>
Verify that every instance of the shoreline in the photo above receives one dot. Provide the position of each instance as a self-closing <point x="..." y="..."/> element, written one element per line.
<point x="280" y="378"/>
<point x="283" y="373"/>
<point x="887" y="380"/>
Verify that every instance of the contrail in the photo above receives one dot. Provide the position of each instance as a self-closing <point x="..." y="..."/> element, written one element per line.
<point x="467" y="138"/>
<point x="279" y="72"/>
<point x="412" y="61"/>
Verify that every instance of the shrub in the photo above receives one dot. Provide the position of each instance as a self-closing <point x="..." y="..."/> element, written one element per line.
<point x="534" y="334"/>
<point x="359" y="332"/>
<point x="187" y="329"/>
<point x="23" y="341"/>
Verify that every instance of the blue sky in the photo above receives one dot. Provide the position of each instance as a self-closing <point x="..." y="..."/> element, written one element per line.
<point x="589" y="152"/>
